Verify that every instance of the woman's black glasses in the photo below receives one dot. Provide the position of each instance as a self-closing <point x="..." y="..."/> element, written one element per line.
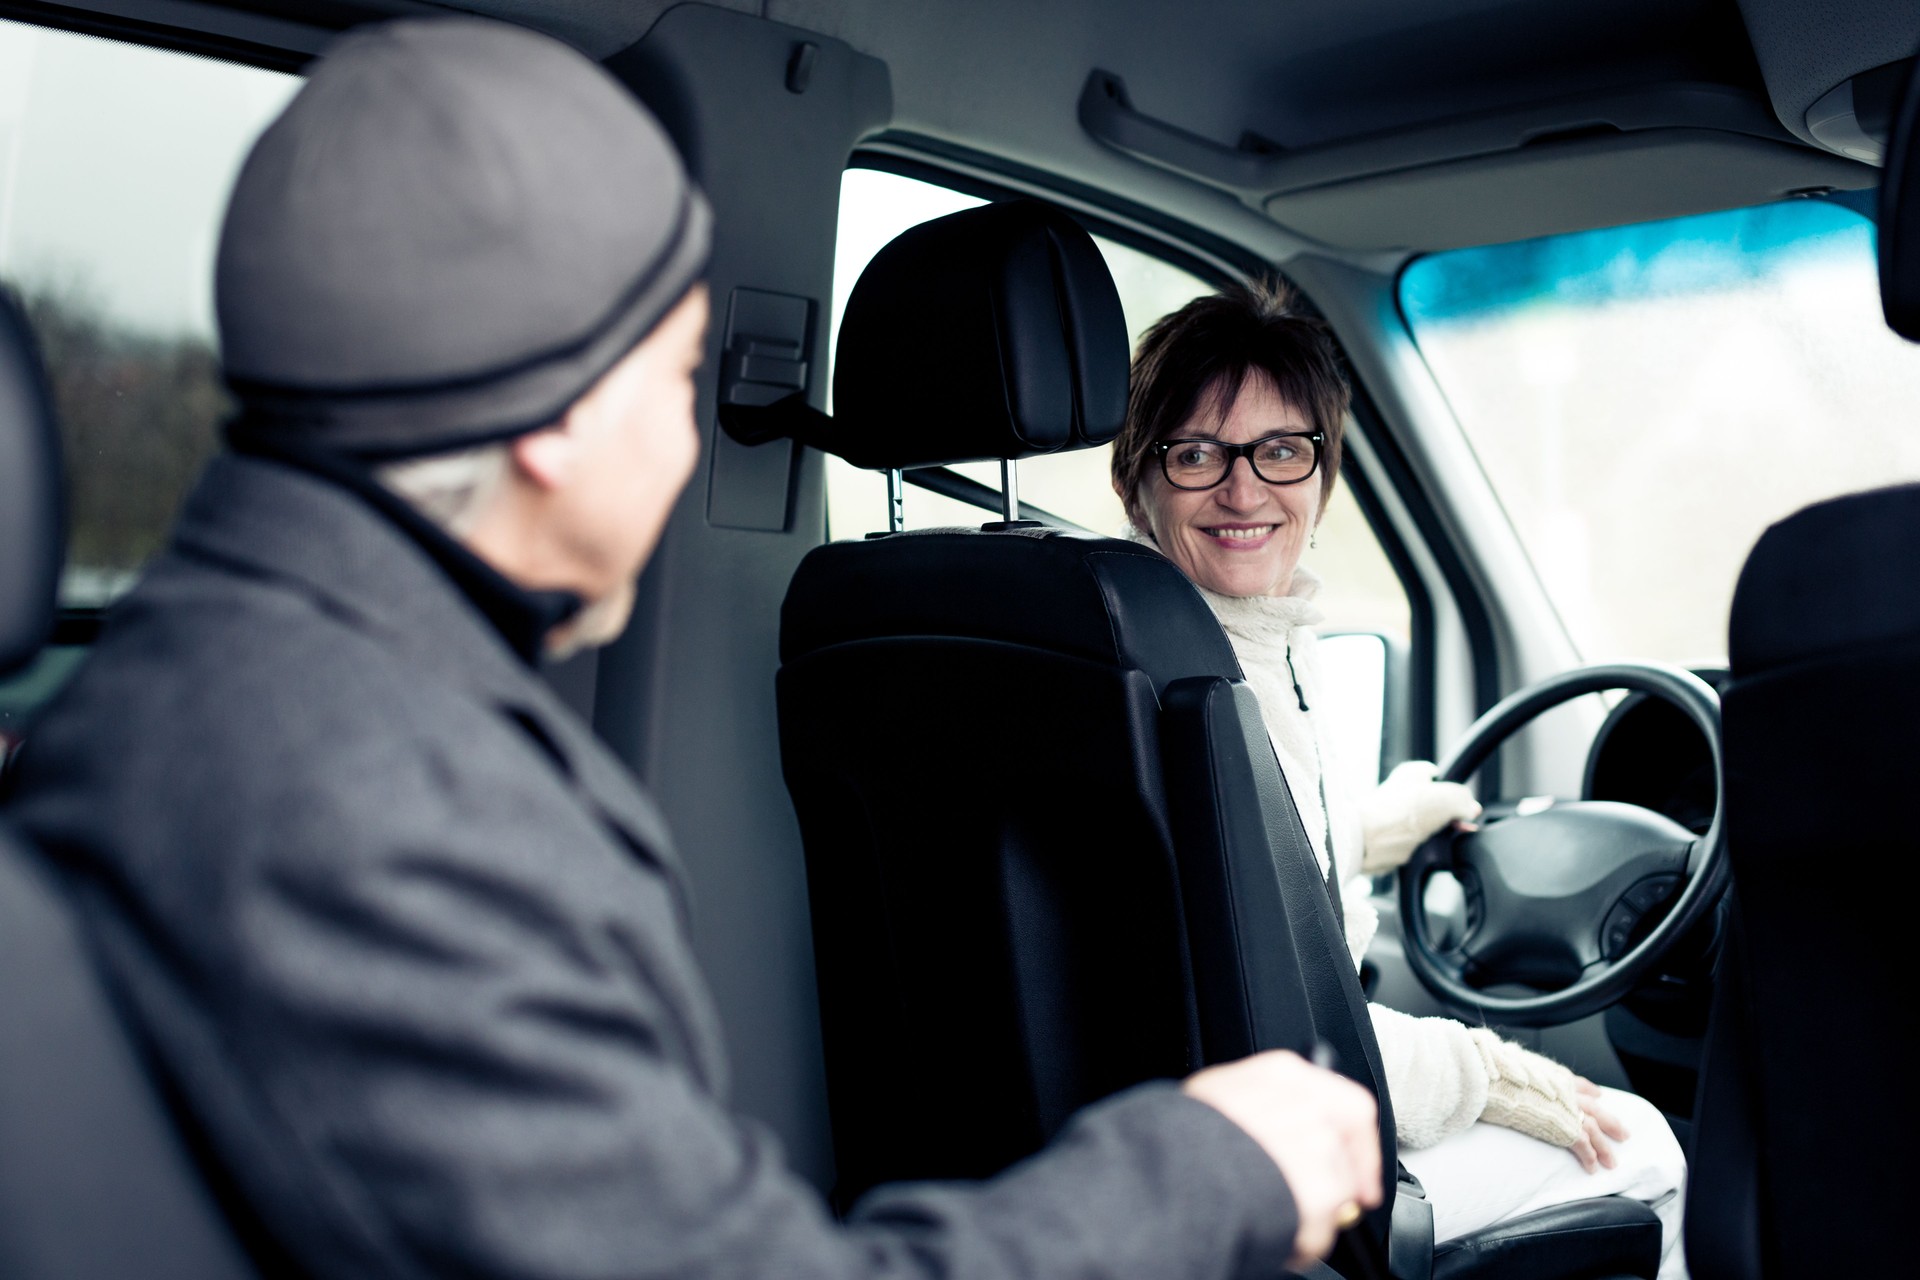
<point x="1287" y="458"/>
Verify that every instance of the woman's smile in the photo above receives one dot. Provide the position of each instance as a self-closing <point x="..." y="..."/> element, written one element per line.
<point x="1240" y="537"/>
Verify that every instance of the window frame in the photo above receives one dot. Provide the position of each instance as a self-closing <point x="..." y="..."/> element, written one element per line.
<point x="215" y="46"/>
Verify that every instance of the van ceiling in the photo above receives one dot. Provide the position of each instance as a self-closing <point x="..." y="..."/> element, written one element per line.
<point x="1434" y="115"/>
<point x="1393" y="124"/>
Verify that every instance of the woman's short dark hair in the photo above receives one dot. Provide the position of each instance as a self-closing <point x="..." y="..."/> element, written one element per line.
<point x="1205" y="352"/>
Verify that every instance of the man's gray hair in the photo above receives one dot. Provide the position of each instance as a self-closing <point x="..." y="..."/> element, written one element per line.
<point x="450" y="489"/>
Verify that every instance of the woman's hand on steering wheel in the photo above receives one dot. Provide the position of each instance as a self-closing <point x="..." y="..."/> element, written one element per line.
<point x="1408" y="808"/>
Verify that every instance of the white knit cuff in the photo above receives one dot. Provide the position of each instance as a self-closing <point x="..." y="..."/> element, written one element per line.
<point x="1529" y="1093"/>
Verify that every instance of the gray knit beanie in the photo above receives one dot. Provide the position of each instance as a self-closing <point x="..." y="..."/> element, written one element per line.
<point x="454" y="229"/>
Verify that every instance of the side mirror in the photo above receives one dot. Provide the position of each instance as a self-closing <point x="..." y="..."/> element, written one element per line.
<point x="1366" y="686"/>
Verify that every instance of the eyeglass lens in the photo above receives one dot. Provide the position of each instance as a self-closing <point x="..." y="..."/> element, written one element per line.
<point x="1201" y="464"/>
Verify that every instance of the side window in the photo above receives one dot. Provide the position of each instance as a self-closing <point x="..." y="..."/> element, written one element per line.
<point x="1368" y="628"/>
<point x="115" y="162"/>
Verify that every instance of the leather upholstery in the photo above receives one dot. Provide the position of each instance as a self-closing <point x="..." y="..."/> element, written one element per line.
<point x="1812" y="1002"/>
<point x="985" y="971"/>
<point x="940" y="923"/>
<point x="96" y="1181"/>
<point x="32" y="516"/>
<point x="1050" y="852"/>
<point x="1095" y="598"/>
<point x="1900" y="216"/>
<point x="999" y="326"/>
<point x="1828" y="582"/>
<point x="1610" y="1236"/>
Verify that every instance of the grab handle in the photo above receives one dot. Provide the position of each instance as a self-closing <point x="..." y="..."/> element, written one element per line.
<point x="1109" y="115"/>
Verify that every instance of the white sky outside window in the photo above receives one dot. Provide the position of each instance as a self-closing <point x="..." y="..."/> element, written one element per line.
<point x="115" y="163"/>
<point x="1647" y="400"/>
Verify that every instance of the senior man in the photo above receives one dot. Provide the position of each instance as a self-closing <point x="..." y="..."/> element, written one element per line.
<point x="405" y="939"/>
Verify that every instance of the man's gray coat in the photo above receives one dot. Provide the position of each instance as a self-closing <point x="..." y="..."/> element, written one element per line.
<point x="410" y="945"/>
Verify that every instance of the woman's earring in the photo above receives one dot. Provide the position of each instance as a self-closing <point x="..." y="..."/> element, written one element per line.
<point x="1313" y="539"/>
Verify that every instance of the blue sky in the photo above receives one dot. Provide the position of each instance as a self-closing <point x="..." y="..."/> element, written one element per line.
<point x="1685" y="255"/>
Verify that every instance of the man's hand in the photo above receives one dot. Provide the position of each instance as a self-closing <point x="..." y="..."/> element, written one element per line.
<point x="1322" y="1130"/>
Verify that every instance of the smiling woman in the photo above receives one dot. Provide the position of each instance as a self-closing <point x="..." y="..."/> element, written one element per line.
<point x="1238" y="530"/>
<point x="1220" y="376"/>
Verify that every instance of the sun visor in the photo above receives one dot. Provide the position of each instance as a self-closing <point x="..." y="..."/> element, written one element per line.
<point x="1571" y="185"/>
<point x="991" y="333"/>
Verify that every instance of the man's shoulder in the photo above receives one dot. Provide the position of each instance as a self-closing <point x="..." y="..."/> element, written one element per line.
<point x="204" y="659"/>
<point x="242" y="711"/>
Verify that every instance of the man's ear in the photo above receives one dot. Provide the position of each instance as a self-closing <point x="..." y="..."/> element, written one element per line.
<point x="547" y="457"/>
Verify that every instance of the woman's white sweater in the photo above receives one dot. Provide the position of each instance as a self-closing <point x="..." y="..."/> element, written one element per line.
<point x="1438" y="1071"/>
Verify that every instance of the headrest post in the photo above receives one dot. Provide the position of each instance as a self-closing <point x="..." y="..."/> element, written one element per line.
<point x="1009" y="490"/>
<point x="896" y="500"/>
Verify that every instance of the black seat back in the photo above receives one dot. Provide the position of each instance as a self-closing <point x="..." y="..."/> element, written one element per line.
<point x="1813" y="1010"/>
<point x="1050" y="852"/>
<point x="95" y="1180"/>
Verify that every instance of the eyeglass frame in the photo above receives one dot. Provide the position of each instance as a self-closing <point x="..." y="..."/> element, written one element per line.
<point x="1235" y="452"/>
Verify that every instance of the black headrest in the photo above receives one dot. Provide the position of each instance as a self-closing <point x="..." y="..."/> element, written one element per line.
<point x="1900" y="215"/>
<point x="32" y="510"/>
<point x="1837" y="578"/>
<point x="992" y="333"/>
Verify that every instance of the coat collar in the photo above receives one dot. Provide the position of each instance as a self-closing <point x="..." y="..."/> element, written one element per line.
<point x="268" y="520"/>
<point x="524" y="617"/>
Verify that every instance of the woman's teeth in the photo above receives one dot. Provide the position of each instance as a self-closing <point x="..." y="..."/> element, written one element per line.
<point x="1243" y="535"/>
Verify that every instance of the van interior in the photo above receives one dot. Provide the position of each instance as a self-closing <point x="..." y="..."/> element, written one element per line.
<point x="1606" y="276"/>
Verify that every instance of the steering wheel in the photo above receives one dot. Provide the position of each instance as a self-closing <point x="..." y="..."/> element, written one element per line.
<point x="1556" y="898"/>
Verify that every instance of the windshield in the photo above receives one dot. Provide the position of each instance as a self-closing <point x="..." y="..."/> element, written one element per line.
<point x="1646" y="400"/>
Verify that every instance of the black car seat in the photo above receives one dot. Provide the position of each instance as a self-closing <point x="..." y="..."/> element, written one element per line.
<point x="1050" y="853"/>
<point x="96" y="1183"/>
<point x="1813" y="1013"/>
